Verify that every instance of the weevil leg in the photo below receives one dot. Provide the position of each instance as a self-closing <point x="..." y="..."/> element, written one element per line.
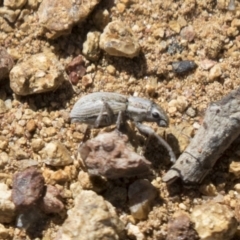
<point x="110" y="115"/>
<point x="86" y="134"/>
<point x="149" y="132"/>
<point x="119" y="120"/>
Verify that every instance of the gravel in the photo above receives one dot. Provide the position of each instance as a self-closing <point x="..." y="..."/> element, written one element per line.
<point x="41" y="39"/>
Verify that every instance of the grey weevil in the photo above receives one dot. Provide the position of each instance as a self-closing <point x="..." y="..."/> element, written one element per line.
<point x="105" y="108"/>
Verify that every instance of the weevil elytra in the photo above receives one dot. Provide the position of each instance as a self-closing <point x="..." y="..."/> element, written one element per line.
<point x="105" y="108"/>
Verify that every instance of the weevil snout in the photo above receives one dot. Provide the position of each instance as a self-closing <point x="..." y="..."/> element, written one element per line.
<point x="162" y="123"/>
<point x="159" y="116"/>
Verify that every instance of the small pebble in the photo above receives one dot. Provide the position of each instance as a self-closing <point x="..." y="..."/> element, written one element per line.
<point x="37" y="144"/>
<point x="19" y="130"/>
<point x="215" y="72"/>
<point x="51" y="202"/>
<point x="188" y="33"/>
<point x="175" y="26"/>
<point x="27" y="188"/>
<point x="237" y="187"/>
<point x="47" y="121"/>
<point x="183" y="67"/>
<point x="118" y="39"/>
<point x="76" y="69"/>
<point x="196" y="125"/>
<point x="31" y="126"/>
<point x="111" y="69"/>
<point x="191" y="112"/>
<point x="3" y="108"/>
<point x="141" y="194"/>
<point x="8" y="103"/>
<point x="208" y="190"/>
<point x="231" y="5"/>
<point x="235" y="168"/>
<point x="87" y="80"/>
<point x="180" y="104"/>
<point x="121" y="7"/>
<point x="180" y="227"/>
<point x="182" y="206"/>
<point x="207" y="64"/>
<point x="56" y="154"/>
<point x="91" y="48"/>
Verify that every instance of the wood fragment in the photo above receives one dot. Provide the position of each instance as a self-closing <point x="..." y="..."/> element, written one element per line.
<point x="221" y="126"/>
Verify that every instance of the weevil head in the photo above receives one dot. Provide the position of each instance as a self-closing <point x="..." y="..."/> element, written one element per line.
<point x="159" y="116"/>
<point x="140" y="110"/>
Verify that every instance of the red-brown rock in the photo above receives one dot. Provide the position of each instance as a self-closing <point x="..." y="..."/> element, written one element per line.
<point x="28" y="187"/>
<point x="181" y="227"/>
<point x="51" y="202"/>
<point x="76" y="69"/>
<point x="108" y="155"/>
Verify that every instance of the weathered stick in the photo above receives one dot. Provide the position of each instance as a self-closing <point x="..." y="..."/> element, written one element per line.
<point x="221" y="126"/>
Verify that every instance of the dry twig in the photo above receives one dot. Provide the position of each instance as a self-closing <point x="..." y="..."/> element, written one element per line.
<point x="220" y="128"/>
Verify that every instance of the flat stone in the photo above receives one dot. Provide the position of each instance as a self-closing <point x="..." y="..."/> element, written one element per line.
<point x="214" y="221"/>
<point x="28" y="187"/>
<point x="56" y="154"/>
<point x="91" y="218"/>
<point x="118" y="40"/>
<point x="108" y="155"/>
<point x="141" y="194"/>
<point x="37" y="74"/>
<point x="58" y="16"/>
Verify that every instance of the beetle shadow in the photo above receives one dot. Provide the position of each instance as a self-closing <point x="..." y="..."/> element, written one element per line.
<point x="154" y="151"/>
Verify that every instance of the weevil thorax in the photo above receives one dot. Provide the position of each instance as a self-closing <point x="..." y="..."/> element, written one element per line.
<point x="140" y="110"/>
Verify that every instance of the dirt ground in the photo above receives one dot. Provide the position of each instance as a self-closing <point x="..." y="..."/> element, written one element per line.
<point x="212" y="42"/>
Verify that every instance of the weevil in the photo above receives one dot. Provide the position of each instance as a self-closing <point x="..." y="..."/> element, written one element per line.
<point x="105" y="108"/>
<point x="102" y="109"/>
